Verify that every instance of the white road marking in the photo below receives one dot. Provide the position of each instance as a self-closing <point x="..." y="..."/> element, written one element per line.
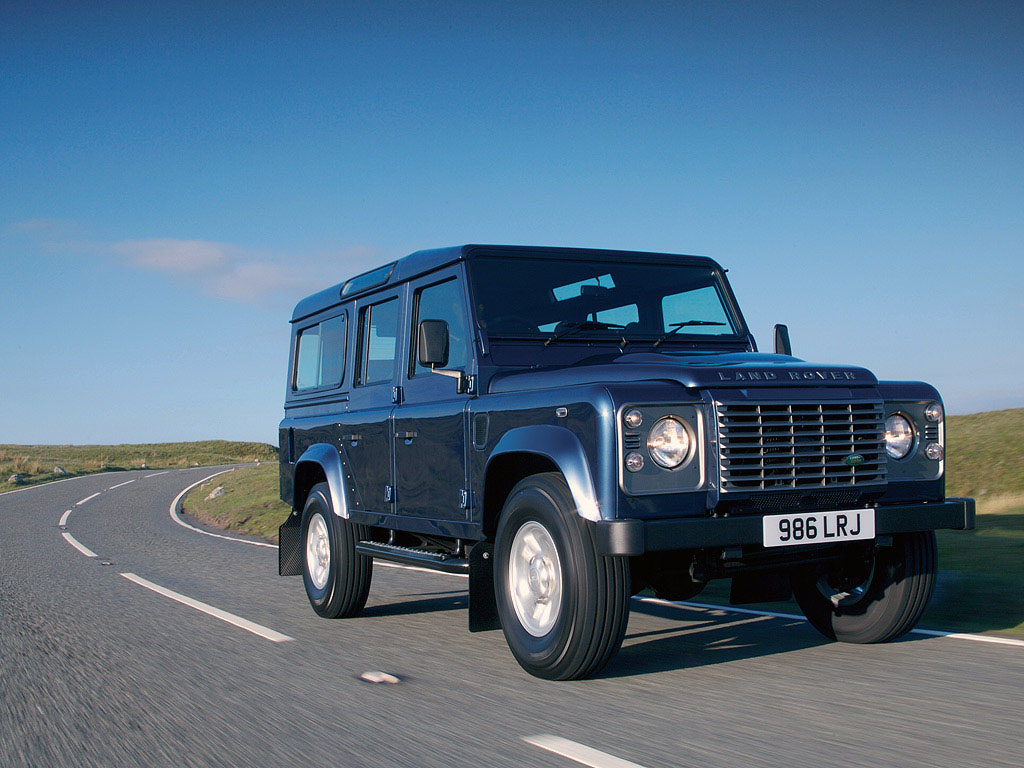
<point x="580" y="753"/>
<point x="176" y="518"/>
<point x="119" y="485"/>
<point x="249" y="626"/>
<point x="64" y="518"/>
<point x="795" y="617"/>
<point x="964" y="636"/>
<point x="77" y="545"/>
<point x="87" y="498"/>
<point x="157" y="474"/>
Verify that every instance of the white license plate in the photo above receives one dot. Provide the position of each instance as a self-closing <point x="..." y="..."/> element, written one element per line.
<point x="818" y="527"/>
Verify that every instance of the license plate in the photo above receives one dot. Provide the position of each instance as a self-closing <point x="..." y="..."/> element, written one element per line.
<point x="818" y="527"/>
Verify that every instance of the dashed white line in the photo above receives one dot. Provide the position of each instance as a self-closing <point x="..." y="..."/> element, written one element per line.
<point x="64" y="518"/>
<point x="78" y="545"/>
<point x="580" y="753"/>
<point x="249" y="626"/>
<point x="157" y="474"/>
<point x="119" y="485"/>
<point x="87" y="498"/>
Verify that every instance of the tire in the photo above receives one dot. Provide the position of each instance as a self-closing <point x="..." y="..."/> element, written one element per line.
<point x="336" y="577"/>
<point x="892" y="590"/>
<point x="545" y="553"/>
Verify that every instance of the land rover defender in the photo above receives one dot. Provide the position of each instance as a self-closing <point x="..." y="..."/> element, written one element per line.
<point x="570" y="427"/>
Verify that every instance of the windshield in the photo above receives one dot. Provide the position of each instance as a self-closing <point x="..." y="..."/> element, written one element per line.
<point x="562" y="299"/>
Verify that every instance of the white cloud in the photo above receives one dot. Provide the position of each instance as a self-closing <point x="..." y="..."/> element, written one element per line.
<point x="232" y="272"/>
<point x="175" y="256"/>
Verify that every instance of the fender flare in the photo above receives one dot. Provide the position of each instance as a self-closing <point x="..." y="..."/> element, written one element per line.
<point x="329" y="460"/>
<point x="562" y="447"/>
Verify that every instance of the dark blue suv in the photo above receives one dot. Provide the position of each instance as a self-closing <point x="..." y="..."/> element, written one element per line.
<point x="570" y="427"/>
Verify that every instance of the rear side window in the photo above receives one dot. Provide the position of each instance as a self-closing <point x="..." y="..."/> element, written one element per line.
<point x="378" y="342"/>
<point x="320" y="357"/>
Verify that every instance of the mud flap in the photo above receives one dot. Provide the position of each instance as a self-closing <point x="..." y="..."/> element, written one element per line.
<point x="483" y="610"/>
<point x="289" y="546"/>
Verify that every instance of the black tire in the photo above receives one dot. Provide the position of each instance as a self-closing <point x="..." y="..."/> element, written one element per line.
<point x="595" y="593"/>
<point x="345" y="584"/>
<point x="897" y="585"/>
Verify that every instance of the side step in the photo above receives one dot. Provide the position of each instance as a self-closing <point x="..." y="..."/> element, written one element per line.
<point x="421" y="558"/>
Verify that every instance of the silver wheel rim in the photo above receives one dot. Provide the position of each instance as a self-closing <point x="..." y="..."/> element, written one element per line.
<point x="535" y="579"/>
<point x="318" y="551"/>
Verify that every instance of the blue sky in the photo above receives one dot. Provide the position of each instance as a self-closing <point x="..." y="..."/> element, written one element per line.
<point x="173" y="179"/>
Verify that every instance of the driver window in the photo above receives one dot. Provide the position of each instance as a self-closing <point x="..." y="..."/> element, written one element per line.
<point x="443" y="301"/>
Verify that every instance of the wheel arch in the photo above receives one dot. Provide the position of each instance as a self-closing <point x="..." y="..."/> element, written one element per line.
<point x="529" y="450"/>
<point x="319" y="463"/>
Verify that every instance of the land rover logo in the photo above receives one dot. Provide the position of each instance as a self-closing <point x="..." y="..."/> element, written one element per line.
<point x="853" y="460"/>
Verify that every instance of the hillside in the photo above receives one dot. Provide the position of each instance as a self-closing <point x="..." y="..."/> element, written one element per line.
<point x="984" y="454"/>
<point x="39" y="463"/>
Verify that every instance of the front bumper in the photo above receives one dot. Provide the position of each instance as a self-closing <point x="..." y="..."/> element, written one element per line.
<point x="634" y="537"/>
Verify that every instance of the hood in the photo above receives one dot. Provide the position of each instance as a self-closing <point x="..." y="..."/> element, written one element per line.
<point x="691" y="369"/>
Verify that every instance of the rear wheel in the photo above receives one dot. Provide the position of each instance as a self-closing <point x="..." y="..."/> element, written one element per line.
<point x="336" y="577"/>
<point x="563" y="607"/>
<point x="874" y="599"/>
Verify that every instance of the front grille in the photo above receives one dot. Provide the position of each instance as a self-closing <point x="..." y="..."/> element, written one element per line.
<point x="778" y="446"/>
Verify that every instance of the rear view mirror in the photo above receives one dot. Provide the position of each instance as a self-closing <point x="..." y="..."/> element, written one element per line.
<point x="782" y="344"/>
<point x="432" y="343"/>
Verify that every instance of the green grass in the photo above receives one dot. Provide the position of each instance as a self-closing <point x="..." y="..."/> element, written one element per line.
<point x="984" y="456"/>
<point x="250" y="503"/>
<point x="36" y="463"/>
<point x="981" y="582"/>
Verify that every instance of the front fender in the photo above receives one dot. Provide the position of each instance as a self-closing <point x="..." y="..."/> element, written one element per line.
<point x="329" y="460"/>
<point x="562" y="447"/>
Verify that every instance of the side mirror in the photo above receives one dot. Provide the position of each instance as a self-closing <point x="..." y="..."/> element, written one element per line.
<point x="782" y="345"/>
<point x="432" y="343"/>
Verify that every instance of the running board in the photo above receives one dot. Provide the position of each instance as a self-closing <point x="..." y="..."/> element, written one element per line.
<point x="421" y="558"/>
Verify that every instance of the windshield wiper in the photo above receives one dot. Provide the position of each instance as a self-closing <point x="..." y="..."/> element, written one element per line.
<point x="575" y="326"/>
<point x="677" y="326"/>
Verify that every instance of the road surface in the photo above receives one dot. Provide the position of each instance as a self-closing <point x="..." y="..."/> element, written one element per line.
<point x="129" y="639"/>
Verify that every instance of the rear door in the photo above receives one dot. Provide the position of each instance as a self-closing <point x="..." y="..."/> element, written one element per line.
<point x="430" y="425"/>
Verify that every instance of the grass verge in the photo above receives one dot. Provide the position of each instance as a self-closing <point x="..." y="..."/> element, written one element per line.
<point x="248" y="502"/>
<point x="39" y="463"/>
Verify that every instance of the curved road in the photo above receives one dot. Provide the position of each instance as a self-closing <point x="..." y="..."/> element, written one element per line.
<point x="97" y="668"/>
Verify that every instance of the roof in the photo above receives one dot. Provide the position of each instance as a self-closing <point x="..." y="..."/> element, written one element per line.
<point x="422" y="262"/>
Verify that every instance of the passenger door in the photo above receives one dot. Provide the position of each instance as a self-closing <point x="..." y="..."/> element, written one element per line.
<point x="366" y="436"/>
<point x="430" y="424"/>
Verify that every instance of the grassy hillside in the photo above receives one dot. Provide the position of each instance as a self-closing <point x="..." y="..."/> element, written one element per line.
<point x="37" y="463"/>
<point x="249" y="503"/>
<point x="984" y="454"/>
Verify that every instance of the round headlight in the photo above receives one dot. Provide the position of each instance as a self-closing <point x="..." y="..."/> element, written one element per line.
<point x="899" y="436"/>
<point x="933" y="412"/>
<point x="669" y="442"/>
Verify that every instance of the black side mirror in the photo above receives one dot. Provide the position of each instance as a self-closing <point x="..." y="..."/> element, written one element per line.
<point x="432" y="343"/>
<point x="782" y="345"/>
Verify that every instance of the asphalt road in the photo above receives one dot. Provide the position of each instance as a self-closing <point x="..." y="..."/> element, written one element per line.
<point x="98" y="670"/>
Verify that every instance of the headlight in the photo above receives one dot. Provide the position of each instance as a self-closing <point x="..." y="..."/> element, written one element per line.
<point x="899" y="436"/>
<point x="669" y="443"/>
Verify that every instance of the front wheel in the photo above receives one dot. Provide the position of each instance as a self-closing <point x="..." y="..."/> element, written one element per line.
<point x="337" y="578"/>
<point x="873" y="599"/>
<point x="563" y="607"/>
